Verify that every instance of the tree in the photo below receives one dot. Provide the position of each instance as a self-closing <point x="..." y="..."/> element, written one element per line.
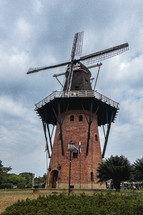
<point x="138" y="170"/>
<point x="3" y="173"/>
<point x="15" y="179"/>
<point x="116" y="168"/>
<point x="28" y="177"/>
<point x="40" y="180"/>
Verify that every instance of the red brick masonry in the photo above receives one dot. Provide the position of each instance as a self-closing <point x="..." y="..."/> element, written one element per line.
<point x="83" y="168"/>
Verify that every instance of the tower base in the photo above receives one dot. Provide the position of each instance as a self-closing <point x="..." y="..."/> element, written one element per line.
<point x="81" y="186"/>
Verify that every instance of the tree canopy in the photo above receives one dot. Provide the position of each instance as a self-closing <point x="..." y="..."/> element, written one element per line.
<point x="138" y="170"/>
<point x="116" y="168"/>
<point x="3" y="172"/>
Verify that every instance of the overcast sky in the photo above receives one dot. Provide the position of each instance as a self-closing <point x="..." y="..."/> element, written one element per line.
<point x="40" y="32"/>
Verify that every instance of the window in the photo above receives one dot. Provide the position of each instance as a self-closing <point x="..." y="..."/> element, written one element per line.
<point x="96" y="137"/>
<point x="92" y="176"/>
<point x="76" y="87"/>
<point x="80" y="118"/>
<point x="75" y="154"/>
<point x="72" y="118"/>
<point x="86" y="79"/>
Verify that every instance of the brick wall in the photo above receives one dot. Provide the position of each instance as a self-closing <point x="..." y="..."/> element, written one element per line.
<point x="83" y="168"/>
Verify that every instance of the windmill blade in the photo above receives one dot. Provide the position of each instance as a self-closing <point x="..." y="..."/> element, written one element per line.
<point x="105" y="54"/>
<point x="38" y="69"/>
<point x="77" y="45"/>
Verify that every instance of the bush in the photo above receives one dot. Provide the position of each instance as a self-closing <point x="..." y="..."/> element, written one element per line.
<point x="21" y="185"/>
<point x="98" y="204"/>
<point x="6" y="186"/>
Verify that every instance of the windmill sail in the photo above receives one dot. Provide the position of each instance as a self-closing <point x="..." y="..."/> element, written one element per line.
<point x="38" y="69"/>
<point x="86" y="60"/>
<point x="77" y="45"/>
<point x="78" y="50"/>
<point x="105" y="54"/>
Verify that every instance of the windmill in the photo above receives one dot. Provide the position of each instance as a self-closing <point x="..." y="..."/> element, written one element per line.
<point x="77" y="111"/>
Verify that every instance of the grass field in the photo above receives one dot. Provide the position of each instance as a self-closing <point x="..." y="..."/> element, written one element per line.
<point x="8" y="197"/>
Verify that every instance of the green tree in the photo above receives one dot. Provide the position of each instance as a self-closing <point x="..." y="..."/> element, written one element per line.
<point x="15" y="179"/>
<point x="116" y="168"/>
<point x="3" y="173"/>
<point x="138" y="170"/>
<point x="28" y="177"/>
<point x="40" y="180"/>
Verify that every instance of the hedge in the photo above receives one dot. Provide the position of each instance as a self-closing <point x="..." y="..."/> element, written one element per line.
<point x="97" y="204"/>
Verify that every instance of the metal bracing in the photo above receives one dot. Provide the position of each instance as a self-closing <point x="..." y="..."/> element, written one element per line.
<point x="59" y="82"/>
<point x="97" y="76"/>
<point x="60" y="122"/>
<point x="89" y="125"/>
<point x="103" y="130"/>
<point x="94" y="65"/>
<point x="89" y="122"/>
<point x="60" y="125"/>
<point x="84" y="113"/>
<point x="52" y="131"/>
<point x="96" y="110"/>
<point x="49" y="136"/>
<point x="59" y="74"/>
<point x="47" y="163"/>
<point x="107" y="135"/>
<point x="65" y="113"/>
<point x="47" y="146"/>
<point x="55" y="113"/>
<point x="107" y="118"/>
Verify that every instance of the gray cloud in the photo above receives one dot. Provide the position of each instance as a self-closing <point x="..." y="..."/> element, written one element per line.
<point x="38" y="33"/>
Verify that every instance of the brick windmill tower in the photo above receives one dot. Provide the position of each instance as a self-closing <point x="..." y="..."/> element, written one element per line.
<point x="77" y="111"/>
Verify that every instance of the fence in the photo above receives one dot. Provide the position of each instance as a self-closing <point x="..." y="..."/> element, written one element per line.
<point x="77" y="94"/>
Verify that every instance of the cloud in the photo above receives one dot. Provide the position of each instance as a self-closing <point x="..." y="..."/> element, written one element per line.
<point x="15" y="110"/>
<point x="39" y="33"/>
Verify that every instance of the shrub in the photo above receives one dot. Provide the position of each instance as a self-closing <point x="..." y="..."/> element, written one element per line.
<point x="98" y="204"/>
<point x="21" y="185"/>
<point x="6" y="186"/>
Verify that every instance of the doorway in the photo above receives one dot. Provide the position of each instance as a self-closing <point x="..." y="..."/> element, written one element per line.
<point x="53" y="178"/>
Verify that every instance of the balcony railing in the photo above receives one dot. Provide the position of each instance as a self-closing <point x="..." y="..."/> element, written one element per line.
<point x="76" y="94"/>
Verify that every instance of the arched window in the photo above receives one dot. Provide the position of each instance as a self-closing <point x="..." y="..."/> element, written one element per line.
<point x="96" y="137"/>
<point x="76" y="87"/>
<point x="92" y="176"/>
<point x="75" y="154"/>
<point x="72" y="118"/>
<point x="80" y="118"/>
